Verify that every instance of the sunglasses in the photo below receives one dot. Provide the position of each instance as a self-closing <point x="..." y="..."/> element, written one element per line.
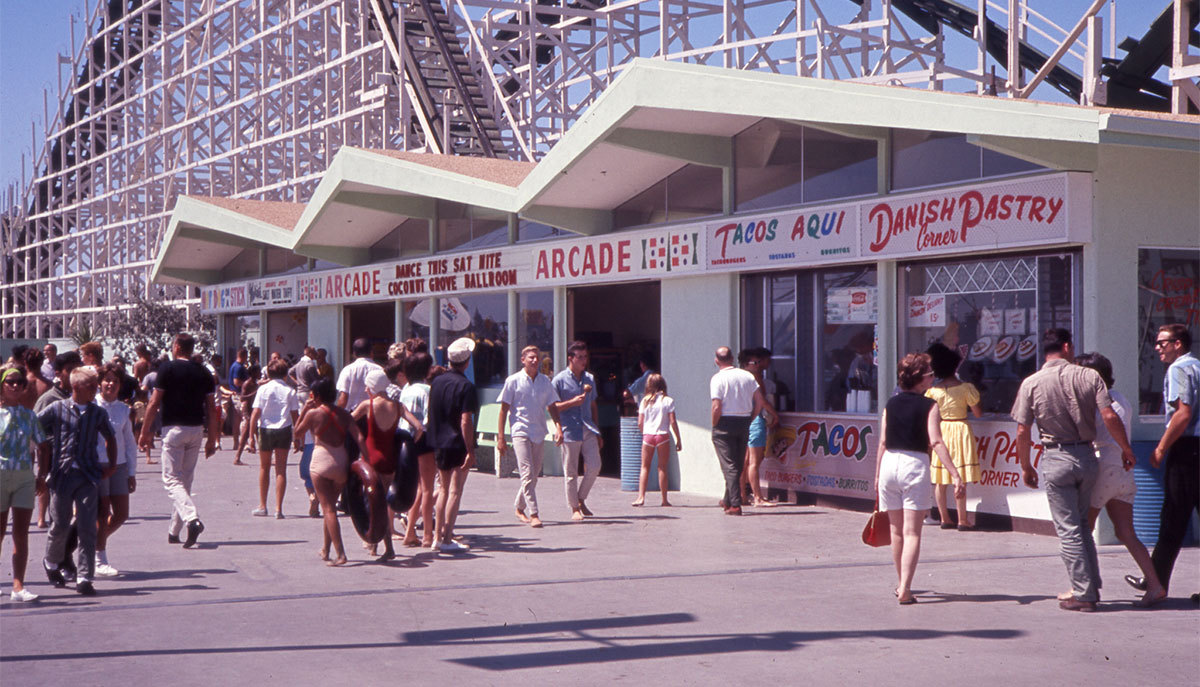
<point x="1163" y="342"/>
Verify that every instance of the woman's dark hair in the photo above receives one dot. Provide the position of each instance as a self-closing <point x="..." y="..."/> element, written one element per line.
<point x="33" y="359"/>
<point x="393" y="368"/>
<point x="324" y="391"/>
<point x="1098" y="363"/>
<point x="944" y="360"/>
<point x="912" y="369"/>
<point x="110" y="369"/>
<point x="416" y="367"/>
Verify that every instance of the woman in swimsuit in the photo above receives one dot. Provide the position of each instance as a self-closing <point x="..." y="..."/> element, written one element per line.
<point x="330" y="426"/>
<point x="383" y="415"/>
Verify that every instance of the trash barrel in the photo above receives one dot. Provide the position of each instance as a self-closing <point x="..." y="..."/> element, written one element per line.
<point x="1147" y="505"/>
<point x="631" y="454"/>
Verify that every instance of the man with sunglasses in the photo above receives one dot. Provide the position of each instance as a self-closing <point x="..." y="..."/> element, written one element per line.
<point x="1179" y="448"/>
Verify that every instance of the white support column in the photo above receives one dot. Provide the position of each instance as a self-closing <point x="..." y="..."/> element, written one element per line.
<point x="435" y="321"/>
<point x="264" y="346"/>
<point x="560" y="327"/>
<point x="399" y="329"/>
<point x="512" y="349"/>
<point x="888" y="329"/>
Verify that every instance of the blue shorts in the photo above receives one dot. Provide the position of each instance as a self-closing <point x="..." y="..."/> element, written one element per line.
<point x="758" y="433"/>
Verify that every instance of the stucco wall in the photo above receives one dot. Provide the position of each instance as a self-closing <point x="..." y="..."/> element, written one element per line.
<point x="325" y="330"/>
<point x="1142" y="198"/>
<point x="698" y="315"/>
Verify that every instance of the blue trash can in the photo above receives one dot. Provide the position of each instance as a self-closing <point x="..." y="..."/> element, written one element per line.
<point x="1147" y="505"/>
<point x="631" y="454"/>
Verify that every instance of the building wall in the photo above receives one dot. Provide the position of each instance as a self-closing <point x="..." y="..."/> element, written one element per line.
<point x="1143" y="197"/>
<point x="325" y="331"/>
<point x="698" y="315"/>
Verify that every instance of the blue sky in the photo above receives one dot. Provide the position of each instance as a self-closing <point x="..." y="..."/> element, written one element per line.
<point x="34" y="32"/>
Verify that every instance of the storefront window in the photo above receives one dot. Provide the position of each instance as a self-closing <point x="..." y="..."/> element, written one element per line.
<point x="780" y="164"/>
<point x="535" y="321"/>
<point x="848" y="342"/>
<point x="414" y="238"/>
<point x="821" y="330"/>
<point x="417" y="318"/>
<point x="993" y="312"/>
<point x="483" y="317"/>
<point x="464" y="227"/>
<point x="528" y="230"/>
<point x="244" y="331"/>
<point x="1168" y="292"/>
<point x="930" y="158"/>
<point x="689" y="192"/>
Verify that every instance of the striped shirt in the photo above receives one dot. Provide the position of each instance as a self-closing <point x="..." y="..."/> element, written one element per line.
<point x="73" y="431"/>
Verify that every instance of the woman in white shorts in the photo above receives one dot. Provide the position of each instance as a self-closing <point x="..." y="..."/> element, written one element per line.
<point x="1115" y="488"/>
<point x="909" y="430"/>
<point x="115" y="491"/>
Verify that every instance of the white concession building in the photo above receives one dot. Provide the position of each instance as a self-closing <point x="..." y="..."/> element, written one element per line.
<point x="839" y="224"/>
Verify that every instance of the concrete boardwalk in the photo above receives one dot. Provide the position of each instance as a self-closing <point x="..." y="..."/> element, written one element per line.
<point x="674" y="596"/>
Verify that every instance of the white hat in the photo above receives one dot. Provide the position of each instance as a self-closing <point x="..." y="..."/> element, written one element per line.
<point x="460" y="350"/>
<point x="376" y="381"/>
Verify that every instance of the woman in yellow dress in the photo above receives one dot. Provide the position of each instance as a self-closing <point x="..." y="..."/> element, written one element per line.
<point x="954" y="399"/>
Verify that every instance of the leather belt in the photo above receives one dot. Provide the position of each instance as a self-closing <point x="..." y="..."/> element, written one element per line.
<point x="1061" y="444"/>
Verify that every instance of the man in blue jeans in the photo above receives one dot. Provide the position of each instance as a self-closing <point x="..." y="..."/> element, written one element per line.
<point x="1063" y="398"/>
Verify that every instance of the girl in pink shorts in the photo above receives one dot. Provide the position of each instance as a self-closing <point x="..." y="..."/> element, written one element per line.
<point x="656" y="415"/>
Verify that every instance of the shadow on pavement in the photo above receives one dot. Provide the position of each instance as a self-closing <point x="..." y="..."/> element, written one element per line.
<point x="258" y="542"/>
<point x="626" y="647"/>
<point x="146" y="575"/>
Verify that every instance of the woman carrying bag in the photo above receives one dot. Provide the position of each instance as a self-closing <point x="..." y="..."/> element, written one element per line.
<point x="909" y="430"/>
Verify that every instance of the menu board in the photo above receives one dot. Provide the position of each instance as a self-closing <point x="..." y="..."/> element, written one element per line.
<point x="852" y="304"/>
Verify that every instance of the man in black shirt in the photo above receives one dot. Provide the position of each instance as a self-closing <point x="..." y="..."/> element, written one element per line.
<point x="452" y="401"/>
<point x="183" y="391"/>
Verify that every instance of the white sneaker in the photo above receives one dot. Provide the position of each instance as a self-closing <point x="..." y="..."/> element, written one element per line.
<point x="452" y="547"/>
<point x="23" y="595"/>
<point x="106" y="570"/>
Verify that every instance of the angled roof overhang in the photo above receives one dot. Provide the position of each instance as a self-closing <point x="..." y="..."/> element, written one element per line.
<point x="206" y="234"/>
<point x="366" y="194"/>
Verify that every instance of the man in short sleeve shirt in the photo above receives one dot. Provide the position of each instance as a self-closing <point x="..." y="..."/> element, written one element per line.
<point x="736" y="400"/>
<point x="524" y="401"/>
<point x="452" y="403"/>
<point x="576" y="392"/>
<point x="1063" y="399"/>
<point x="352" y="382"/>
<point x="1179" y="446"/>
<point x="184" y="393"/>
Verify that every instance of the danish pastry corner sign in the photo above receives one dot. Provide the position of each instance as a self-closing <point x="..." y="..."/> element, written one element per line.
<point x="1020" y="212"/>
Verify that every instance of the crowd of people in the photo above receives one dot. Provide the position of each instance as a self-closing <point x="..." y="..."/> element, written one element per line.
<point x="1085" y="464"/>
<point x="71" y="425"/>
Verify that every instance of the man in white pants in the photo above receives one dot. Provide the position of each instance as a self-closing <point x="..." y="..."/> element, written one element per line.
<point x="576" y="391"/>
<point x="526" y="398"/>
<point x="184" y="393"/>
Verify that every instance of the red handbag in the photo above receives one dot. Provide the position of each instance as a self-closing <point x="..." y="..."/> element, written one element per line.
<point x="878" y="531"/>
